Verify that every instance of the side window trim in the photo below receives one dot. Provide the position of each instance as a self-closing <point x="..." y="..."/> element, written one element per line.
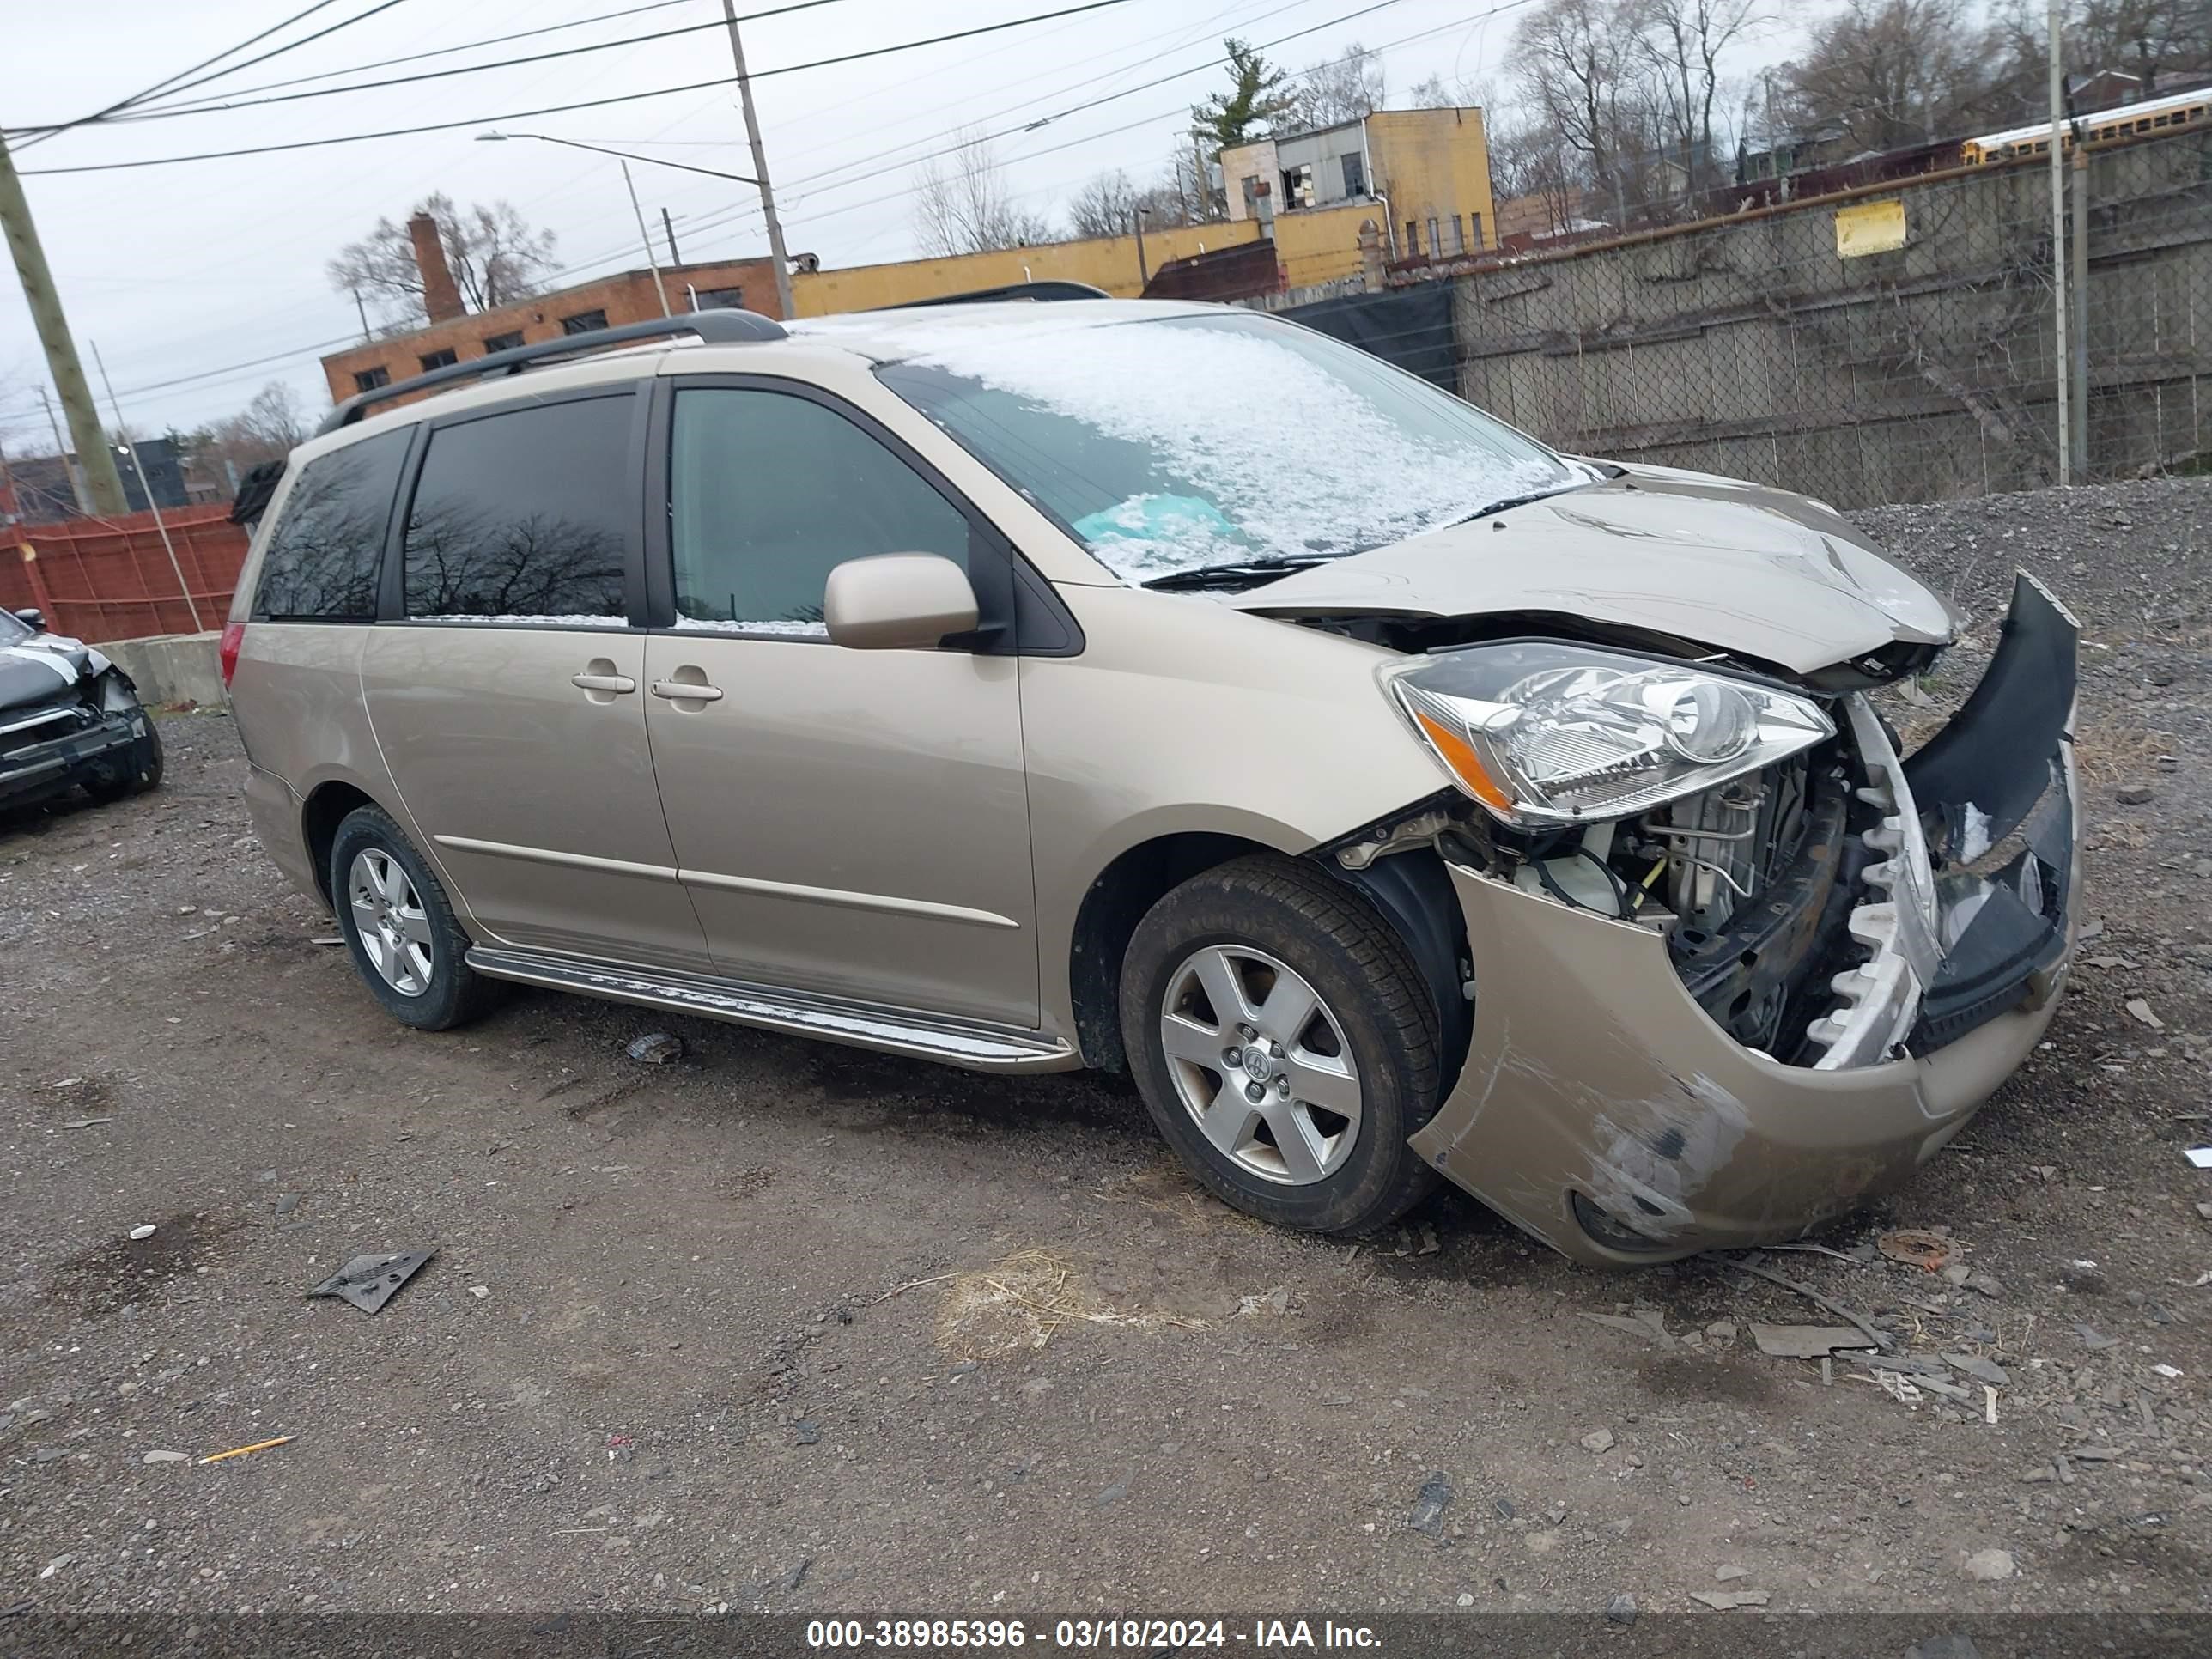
<point x="392" y="591"/>
<point x="272" y="528"/>
<point x="990" y="556"/>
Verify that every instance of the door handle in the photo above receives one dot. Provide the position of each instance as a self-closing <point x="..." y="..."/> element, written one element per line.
<point x="603" y="682"/>
<point x="687" y="691"/>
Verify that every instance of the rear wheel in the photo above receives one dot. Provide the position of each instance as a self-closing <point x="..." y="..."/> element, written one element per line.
<point x="399" y="927"/>
<point x="1284" y="1044"/>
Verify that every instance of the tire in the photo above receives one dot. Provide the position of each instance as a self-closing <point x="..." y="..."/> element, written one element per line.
<point x="141" y="773"/>
<point x="445" y="990"/>
<point x="1374" y="1020"/>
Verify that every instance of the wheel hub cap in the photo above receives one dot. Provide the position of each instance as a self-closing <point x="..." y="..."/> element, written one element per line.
<point x="1261" y="1063"/>
<point x="390" y="921"/>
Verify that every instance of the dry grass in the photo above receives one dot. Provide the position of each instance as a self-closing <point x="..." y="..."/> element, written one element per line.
<point x="1022" y="1302"/>
<point x="2105" y="752"/>
<point x="1165" y="1190"/>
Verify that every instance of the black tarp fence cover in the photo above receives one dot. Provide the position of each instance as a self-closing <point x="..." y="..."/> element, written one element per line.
<point x="1408" y="327"/>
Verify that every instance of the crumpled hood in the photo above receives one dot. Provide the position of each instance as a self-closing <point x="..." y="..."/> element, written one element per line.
<point x="1742" y="567"/>
<point x="43" y="668"/>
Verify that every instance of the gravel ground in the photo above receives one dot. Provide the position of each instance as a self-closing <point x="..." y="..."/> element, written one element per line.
<point x="791" y="1327"/>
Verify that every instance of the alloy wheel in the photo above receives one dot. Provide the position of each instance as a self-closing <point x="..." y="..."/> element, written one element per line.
<point x="389" y="918"/>
<point x="1261" y="1063"/>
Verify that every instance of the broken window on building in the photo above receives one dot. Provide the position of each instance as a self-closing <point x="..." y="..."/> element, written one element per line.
<point x="506" y="342"/>
<point x="1355" y="173"/>
<point x="584" y="322"/>
<point x="438" y="358"/>
<point x="368" y="380"/>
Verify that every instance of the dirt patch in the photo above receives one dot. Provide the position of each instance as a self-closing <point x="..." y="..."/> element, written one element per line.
<point x="1021" y="1304"/>
<point x="105" y="1278"/>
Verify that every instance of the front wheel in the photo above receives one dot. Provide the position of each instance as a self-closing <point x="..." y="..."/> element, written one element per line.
<point x="1284" y="1044"/>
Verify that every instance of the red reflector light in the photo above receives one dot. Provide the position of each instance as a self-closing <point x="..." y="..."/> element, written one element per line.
<point x="233" y="636"/>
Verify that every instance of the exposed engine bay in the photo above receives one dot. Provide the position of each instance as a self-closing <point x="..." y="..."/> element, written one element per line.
<point x="68" y="716"/>
<point x="1815" y="907"/>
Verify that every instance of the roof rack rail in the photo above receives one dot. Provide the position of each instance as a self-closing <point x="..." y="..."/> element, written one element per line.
<point x="724" y="325"/>
<point x="1055" y="289"/>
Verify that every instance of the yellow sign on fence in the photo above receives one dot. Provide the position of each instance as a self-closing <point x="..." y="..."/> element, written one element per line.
<point x="1870" y="228"/>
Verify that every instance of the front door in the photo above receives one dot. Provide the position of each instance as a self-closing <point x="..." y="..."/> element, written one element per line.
<point x="506" y="685"/>
<point x="848" y="821"/>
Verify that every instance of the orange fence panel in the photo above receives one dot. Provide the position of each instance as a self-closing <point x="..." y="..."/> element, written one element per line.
<point x="111" y="579"/>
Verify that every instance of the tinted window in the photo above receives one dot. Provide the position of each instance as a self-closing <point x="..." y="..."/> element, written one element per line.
<point x="769" y="493"/>
<point x="323" y="552"/>
<point x="524" y="514"/>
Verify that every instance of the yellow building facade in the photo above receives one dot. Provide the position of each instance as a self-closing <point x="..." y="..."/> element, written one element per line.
<point x="1423" y="174"/>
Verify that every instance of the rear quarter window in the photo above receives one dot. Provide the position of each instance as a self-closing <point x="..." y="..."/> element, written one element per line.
<point x="327" y="545"/>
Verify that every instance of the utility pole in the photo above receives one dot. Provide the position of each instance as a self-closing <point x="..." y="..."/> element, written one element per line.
<point x="2060" y="346"/>
<point x="184" y="588"/>
<point x="2078" y="323"/>
<point x="1144" y="271"/>
<point x="668" y="226"/>
<point x="775" y="253"/>
<point x="103" y="484"/>
<point x="652" y="264"/>
<point x="70" y="471"/>
<point x="360" y="311"/>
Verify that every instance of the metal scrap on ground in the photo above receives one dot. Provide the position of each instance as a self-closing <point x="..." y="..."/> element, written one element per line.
<point x="1807" y="1341"/>
<point x="370" y="1281"/>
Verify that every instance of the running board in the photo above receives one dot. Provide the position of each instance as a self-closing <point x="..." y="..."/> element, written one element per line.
<point x="892" y="1030"/>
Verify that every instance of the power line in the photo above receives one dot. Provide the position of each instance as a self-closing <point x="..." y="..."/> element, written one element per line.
<point x="589" y="103"/>
<point x="232" y="102"/>
<point x="112" y="113"/>
<point x="447" y="51"/>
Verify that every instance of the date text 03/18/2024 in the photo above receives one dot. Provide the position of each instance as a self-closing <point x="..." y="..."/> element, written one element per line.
<point x="1087" y="1634"/>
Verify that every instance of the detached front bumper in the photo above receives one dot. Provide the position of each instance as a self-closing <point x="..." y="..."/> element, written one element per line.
<point x="109" y="743"/>
<point x="1602" y="1110"/>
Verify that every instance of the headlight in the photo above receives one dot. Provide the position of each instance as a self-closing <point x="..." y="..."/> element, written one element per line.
<point x="1547" y="734"/>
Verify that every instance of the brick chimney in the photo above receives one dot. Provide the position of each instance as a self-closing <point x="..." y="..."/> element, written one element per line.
<point x="440" y="298"/>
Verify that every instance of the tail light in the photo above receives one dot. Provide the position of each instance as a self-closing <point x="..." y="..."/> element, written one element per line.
<point x="233" y="636"/>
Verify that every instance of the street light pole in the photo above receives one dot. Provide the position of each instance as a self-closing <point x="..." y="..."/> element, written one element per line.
<point x="777" y="255"/>
<point x="652" y="263"/>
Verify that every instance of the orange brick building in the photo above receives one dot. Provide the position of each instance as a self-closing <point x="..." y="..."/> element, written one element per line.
<point x="608" y="302"/>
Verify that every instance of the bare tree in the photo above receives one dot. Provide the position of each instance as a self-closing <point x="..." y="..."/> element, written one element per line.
<point x="962" y="203"/>
<point x="1573" y="72"/>
<point x="1104" y="207"/>
<point x="1889" y="73"/>
<point x="1679" y="44"/>
<point x="1344" y="89"/>
<point x="496" y="256"/>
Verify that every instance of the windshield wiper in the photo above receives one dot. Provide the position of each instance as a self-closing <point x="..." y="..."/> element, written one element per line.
<point x="1498" y="506"/>
<point x="1236" y="572"/>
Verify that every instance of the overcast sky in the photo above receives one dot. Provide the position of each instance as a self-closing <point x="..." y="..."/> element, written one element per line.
<point x="195" y="269"/>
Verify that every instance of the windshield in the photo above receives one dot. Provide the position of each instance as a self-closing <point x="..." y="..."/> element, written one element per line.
<point x="1178" y="442"/>
<point x="13" y="628"/>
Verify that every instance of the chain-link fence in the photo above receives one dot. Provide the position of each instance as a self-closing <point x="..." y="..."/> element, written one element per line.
<point x="1751" y="346"/>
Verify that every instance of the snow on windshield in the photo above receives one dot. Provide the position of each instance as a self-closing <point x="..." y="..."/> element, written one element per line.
<point x="1196" y="440"/>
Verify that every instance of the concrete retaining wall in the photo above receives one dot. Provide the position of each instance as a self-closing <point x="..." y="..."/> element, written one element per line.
<point x="172" y="667"/>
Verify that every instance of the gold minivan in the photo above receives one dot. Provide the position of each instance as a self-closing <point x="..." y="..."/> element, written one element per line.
<point x="1043" y="683"/>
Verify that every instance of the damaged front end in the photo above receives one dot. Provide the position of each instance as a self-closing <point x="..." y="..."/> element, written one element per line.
<point x="1719" y="1018"/>
<point x="68" y="716"/>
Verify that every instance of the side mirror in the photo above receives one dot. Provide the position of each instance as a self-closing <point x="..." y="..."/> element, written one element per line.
<point x="33" y="618"/>
<point x="897" y="602"/>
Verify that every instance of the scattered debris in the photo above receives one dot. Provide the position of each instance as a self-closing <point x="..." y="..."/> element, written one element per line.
<point x="137" y="1234"/>
<point x="2200" y="1156"/>
<point x="1957" y="1645"/>
<point x="2095" y="1340"/>
<point x="1899" y="1388"/>
<point x="1989" y="1565"/>
<point x="1877" y="1338"/>
<point x="1726" y="1600"/>
<point x="248" y="1451"/>
<point x="1110" y="1496"/>
<point x="1621" y="1610"/>
<point x="1917" y="1247"/>
<point x="1981" y="1370"/>
<point x="1729" y="1575"/>
<point x="807" y="1432"/>
<point x="167" y="1458"/>
<point x="1277" y="1301"/>
<point x="1430" y="1503"/>
<point x="1429" y="1245"/>
<point x="793" y="1579"/>
<point x="370" y="1281"/>
<point x="1598" y="1440"/>
<point x="2169" y="1372"/>
<point x="86" y="1123"/>
<point x="1805" y="1342"/>
<point x="327" y="938"/>
<point x="479" y="1291"/>
<point x="2140" y="1009"/>
<point x="1646" y="1323"/>
<point x="2133" y="795"/>
<point x="1020" y="1303"/>
<point x="656" y="1048"/>
<point x="55" y="1566"/>
<point x="1988" y="1404"/>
